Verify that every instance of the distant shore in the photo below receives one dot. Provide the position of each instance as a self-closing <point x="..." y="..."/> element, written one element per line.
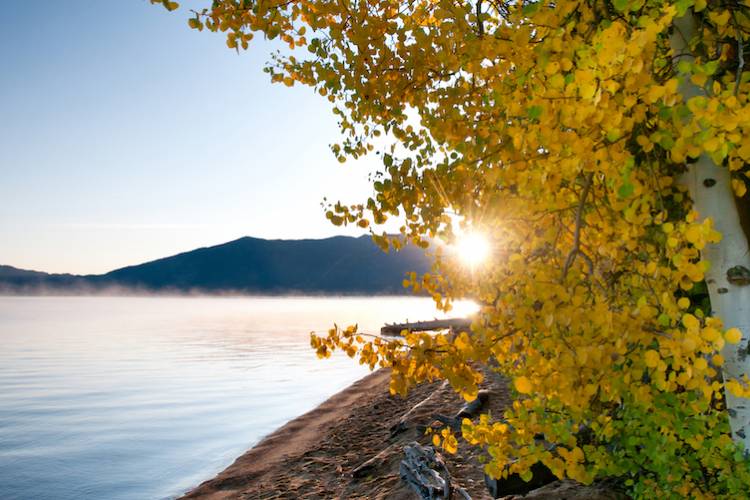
<point x="340" y="265"/>
<point x="313" y="456"/>
<point x="177" y="293"/>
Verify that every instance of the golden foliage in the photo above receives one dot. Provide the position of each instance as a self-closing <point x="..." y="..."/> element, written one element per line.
<point x="558" y="129"/>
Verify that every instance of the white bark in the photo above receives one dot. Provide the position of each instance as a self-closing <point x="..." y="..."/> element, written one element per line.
<point x="729" y="301"/>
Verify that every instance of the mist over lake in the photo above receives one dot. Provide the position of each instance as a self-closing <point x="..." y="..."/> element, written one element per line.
<point x="122" y="398"/>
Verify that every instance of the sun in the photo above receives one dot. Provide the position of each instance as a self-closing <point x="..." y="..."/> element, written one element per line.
<point x="472" y="249"/>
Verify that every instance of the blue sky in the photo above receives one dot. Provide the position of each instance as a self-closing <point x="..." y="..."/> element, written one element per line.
<point x="126" y="136"/>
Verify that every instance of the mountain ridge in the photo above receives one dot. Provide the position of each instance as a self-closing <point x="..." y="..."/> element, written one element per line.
<point x="248" y="266"/>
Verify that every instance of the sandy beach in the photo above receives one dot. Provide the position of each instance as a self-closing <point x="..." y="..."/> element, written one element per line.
<point x="314" y="455"/>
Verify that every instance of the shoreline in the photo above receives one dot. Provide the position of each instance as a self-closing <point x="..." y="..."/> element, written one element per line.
<point x="351" y="447"/>
<point x="317" y="454"/>
<point x="288" y="440"/>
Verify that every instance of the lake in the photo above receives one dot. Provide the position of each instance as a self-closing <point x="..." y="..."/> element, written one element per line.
<point x="144" y="398"/>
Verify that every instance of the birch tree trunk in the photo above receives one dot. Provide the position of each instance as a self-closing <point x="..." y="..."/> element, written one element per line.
<point x="730" y="298"/>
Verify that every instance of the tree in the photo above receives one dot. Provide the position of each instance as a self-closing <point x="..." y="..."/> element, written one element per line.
<point x="600" y="145"/>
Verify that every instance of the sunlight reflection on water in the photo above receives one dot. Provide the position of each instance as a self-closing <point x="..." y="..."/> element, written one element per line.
<point x="125" y="398"/>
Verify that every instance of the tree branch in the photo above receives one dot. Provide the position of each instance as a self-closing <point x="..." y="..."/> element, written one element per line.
<point x="741" y="57"/>
<point x="480" y="24"/>
<point x="579" y="223"/>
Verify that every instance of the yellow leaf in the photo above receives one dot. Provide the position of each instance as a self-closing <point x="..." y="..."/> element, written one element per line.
<point x="655" y="93"/>
<point x="739" y="187"/>
<point x="652" y="358"/>
<point x="450" y="444"/>
<point x="711" y="144"/>
<point x="699" y="79"/>
<point x="523" y="385"/>
<point x="552" y="68"/>
<point x="719" y="19"/>
<point x="587" y="90"/>
<point x="700" y="364"/>
<point x="710" y="334"/>
<point x="744" y="151"/>
<point x="733" y="335"/>
<point x="690" y="322"/>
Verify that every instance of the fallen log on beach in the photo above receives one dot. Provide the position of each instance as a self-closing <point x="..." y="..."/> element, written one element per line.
<point x="416" y="413"/>
<point x="469" y="410"/>
<point x="473" y="408"/>
<point x="424" y="470"/>
<point x="455" y="324"/>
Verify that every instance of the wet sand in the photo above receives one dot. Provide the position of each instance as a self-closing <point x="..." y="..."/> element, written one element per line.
<point x="313" y="456"/>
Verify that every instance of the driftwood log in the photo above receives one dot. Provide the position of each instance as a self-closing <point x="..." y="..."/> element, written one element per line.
<point x="469" y="410"/>
<point x="473" y="408"/>
<point x="424" y="470"/>
<point x="416" y="413"/>
<point x="420" y="412"/>
<point x="514" y="485"/>
<point x="571" y="490"/>
<point x="455" y="324"/>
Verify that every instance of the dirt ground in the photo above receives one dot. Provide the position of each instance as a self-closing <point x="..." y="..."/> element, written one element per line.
<point x="313" y="456"/>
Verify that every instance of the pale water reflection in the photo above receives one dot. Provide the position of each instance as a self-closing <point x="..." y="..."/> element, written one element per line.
<point x="139" y="398"/>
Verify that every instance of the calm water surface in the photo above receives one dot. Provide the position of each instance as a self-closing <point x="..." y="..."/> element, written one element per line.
<point x="140" y="398"/>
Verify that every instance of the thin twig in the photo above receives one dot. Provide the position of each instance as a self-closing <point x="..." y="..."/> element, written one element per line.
<point x="579" y="223"/>
<point x="480" y="23"/>
<point x="589" y="262"/>
<point x="741" y="65"/>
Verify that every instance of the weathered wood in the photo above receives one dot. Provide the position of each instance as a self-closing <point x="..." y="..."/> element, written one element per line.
<point x="473" y="408"/>
<point x="514" y="485"/>
<point x="415" y="413"/>
<point x="463" y="324"/>
<point x="424" y="470"/>
<point x="469" y="410"/>
<point x="451" y="422"/>
<point x="571" y="490"/>
<point x="462" y="494"/>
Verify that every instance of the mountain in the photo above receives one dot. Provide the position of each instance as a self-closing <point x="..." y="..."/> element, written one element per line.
<point x="338" y="265"/>
<point x="12" y="278"/>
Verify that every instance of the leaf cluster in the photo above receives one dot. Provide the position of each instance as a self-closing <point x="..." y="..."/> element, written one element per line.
<point x="559" y="129"/>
